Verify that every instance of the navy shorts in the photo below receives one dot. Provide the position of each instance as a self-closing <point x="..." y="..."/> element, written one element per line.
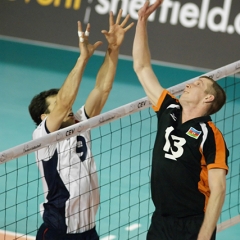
<point x="172" y="228"/>
<point x="45" y="233"/>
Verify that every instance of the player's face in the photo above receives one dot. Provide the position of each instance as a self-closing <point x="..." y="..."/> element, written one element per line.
<point x="68" y="120"/>
<point x="197" y="91"/>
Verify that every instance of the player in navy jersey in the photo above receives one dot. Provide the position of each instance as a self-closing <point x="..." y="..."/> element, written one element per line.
<point x="189" y="162"/>
<point x="67" y="168"/>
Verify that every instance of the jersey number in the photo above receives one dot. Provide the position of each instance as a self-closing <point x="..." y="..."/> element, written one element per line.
<point x="81" y="148"/>
<point x="177" y="142"/>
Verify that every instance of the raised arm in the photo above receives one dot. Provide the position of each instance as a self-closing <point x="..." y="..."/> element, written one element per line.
<point x="68" y="92"/>
<point x="106" y="74"/>
<point x="217" y="185"/>
<point x="141" y="54"/>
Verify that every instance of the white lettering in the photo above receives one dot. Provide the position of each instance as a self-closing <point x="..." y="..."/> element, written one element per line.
<point x="189" y="15"/>
<point x="175" y="13"/>
<point x="223" y="13"/>
<point x="103" y="8"/>
<point x="203" y="15"/>
<point x="164" y="11"/>
<point x="237" y="23"/>
<point x="135" y="5"/>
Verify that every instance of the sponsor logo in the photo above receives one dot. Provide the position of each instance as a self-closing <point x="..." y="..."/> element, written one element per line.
<point x="142" y="104"/>
<point x="173" y="116"/>
<point x="70" y="132"/>
<point x="194" y="133"/>
<point x="3" y="158"/>
<point x="201" y="15"/>
<point x="219" y="74"/>
<point x="73" y="4"/>
<point x="106" y="118"/>
<point x="27" y="148"/>
<point x="211" y="76"/>
<point x="80" y="128"/>
<point x="58" y="136"/>
<point x="188" y="15"/>
<point x="131" y="108"/>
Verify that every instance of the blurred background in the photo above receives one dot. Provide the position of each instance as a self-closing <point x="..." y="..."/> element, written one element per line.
<point x="39" y="47"/>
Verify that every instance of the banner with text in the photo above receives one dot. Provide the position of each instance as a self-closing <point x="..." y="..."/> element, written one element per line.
<point x="202" y="33"/>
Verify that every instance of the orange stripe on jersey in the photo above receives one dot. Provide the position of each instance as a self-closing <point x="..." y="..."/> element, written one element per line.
<point x="220" y="157"/>
<point x="203" y="183"/>
<point x="161" y="98"/>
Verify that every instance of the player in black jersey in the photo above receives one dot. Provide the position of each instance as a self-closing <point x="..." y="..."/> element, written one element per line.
<point x="189" y="163"/>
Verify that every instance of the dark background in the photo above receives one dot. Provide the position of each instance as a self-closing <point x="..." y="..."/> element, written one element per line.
<point x="41" y="20"/>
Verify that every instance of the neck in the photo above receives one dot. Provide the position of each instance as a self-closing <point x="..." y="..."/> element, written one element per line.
<point x="189" y="113"/>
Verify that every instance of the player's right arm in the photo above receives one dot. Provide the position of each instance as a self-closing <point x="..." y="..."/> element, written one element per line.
<point x="142" y="56"/>
<point x="68" y="92"/>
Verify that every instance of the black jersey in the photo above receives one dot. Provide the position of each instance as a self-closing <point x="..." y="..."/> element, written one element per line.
<point x="182" y="156"/>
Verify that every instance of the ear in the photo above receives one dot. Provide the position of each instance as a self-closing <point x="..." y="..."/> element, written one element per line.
<point x="209" y="98"/>
<point x="43" y="116"/>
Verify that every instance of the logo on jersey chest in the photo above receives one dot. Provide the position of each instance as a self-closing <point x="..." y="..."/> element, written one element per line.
<point x="194" y="133"/>
<point x="173" y="116"/>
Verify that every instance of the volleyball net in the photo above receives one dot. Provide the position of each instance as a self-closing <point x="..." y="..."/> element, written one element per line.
<point x="122" y="142"/>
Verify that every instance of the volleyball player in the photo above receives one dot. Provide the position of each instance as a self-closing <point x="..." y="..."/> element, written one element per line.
<point x="189" y="162"/>
<point x="67" y="168"/>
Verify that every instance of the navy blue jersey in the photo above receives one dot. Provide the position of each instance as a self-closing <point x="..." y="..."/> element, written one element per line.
<point x="70" y="183"/>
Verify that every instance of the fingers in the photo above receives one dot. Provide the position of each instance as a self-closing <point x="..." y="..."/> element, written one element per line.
<point x="87" y="32"/>
<point x="146" y="4"/>
<point x="80" y="32"/>
<point x="79" y="26"/>
<point x="155" y="5"/>
<point x="111" y="20"/>
<point x="119" y="16"/>
<point x="83" y="36"/>
<point x="105" y="32"/>
<point x="129" y="26"/>
<point x="125" y="20"/>
<point x="97" y="44"/>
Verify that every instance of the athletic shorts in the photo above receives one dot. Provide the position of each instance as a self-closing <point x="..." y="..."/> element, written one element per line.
<point x="171" y="228"/>
<point x="45" y="233"/>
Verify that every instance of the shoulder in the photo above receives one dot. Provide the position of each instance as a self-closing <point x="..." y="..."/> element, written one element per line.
<point x="214" y="129"/>
<point x="81" y="115"/>
<point x="166" y="102"/>
<point x="41" y="130"/>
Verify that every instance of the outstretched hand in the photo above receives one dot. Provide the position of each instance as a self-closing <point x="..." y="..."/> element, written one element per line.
<point x="117" y="30"/>
<point x="85" y="47"/>
<point x="147" y="9"/>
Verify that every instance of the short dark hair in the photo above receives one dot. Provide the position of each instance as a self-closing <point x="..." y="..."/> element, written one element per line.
<point x="39" y="105"/>
<point x="219" y="96"/>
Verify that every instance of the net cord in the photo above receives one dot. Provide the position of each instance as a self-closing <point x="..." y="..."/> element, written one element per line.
<point x="104" y="118"/>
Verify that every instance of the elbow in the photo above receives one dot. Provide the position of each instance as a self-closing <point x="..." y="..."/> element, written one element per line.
<point x="106" y="91"/>
<point x="103" y="90"/>
<point x="64" y="101"/>
<point x="219" y="190"/>
<point x="106" y="87"/>
<point x="137" y="67"/>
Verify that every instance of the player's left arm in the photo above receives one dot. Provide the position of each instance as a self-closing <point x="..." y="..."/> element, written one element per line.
<point x="106" y="74"/>
<point x="217" y="185"/>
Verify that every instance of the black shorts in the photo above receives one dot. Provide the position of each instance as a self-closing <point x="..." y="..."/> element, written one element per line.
<point x="172" y="228"/>
<point x="45" y="233"/>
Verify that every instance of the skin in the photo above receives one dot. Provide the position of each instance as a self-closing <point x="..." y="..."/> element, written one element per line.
<point x="195" y="102"/>
<point x="60" y="106"/>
